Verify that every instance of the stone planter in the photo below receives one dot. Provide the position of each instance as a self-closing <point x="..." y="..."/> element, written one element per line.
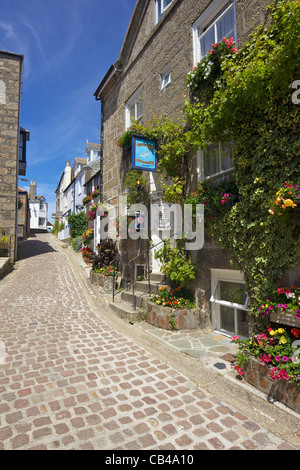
<point x="162" y="317"/>
<point x="3" y="253"/>
<point x="258" y="375"/>
<point x="285" y="319"/>
<point x="103" y="282"/>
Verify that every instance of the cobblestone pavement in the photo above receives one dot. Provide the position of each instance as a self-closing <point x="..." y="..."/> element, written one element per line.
<point x="69" y="380"/>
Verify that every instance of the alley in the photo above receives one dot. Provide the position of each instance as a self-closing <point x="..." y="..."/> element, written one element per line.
<point x="69" y="380"/>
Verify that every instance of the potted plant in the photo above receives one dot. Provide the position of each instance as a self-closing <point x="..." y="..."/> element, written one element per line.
<point x="86" y="200"/>
<point x="4" y="245"/>
<point x="206" y="75"/>
<point x="88" y="236"/>
<point x="20" y="202"/>
<point x="270" y="361"/>
<point x="95" y="193"/>
<point x="172" y="309"/>
<point x="283" y="306"/>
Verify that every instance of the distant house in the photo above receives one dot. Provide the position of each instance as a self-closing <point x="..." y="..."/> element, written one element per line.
<point x="38" y="209"/>
<point x="12" y="145"/>
<point x="23" y="214"/>
<point x="75" y="183"/>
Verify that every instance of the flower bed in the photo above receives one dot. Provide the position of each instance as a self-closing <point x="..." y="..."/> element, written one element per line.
<point x="279" y="349"/>
<point x="283" y="306"/>
<point x="172" y="309"/>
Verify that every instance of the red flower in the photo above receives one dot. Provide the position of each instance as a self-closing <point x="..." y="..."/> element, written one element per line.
<point x="295" y="332"/>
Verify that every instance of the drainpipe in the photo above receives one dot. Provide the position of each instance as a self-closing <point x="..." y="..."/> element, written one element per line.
<point x="101" y="148"/>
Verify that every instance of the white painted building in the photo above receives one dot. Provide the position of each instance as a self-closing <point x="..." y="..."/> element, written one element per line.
<point x="38" y="209"/>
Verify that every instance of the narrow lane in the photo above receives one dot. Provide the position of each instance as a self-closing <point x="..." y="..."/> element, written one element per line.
<point x="69" y="380"/>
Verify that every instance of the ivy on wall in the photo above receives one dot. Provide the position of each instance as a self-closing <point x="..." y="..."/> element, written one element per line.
<point x="251" y="104"/>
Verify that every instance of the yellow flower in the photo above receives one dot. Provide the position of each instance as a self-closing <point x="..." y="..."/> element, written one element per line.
<point x="282" y="340"/>
<point x="272" y="333"/>
<point x="280" y="330"/>
<point x="288" y="202"/>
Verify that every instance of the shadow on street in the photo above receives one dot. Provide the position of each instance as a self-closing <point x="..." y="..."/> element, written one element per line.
<point x="33" y="247"/>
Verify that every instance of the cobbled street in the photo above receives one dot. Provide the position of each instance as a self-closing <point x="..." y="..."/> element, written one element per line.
<point x="70" y="380"/>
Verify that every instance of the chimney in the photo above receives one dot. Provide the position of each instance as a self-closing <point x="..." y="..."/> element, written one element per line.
<point x="32" y="191"/>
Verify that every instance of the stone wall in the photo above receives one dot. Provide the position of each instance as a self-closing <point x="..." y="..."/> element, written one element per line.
<point x="10" y="80"/>
<point x="152" y="50"/>
<point x="155" y="49"/>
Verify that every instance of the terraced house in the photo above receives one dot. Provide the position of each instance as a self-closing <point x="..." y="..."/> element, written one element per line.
<point x="165" y="40"/>
<point x="13" y="139"/>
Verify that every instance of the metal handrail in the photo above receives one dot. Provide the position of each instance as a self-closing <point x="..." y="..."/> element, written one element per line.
<point x="133" y="281"/>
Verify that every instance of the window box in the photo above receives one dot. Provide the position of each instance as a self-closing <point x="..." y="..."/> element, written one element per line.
<point x="258" y="375"/>
<point x="217" y="22"/>
<point x="286" y="318"/>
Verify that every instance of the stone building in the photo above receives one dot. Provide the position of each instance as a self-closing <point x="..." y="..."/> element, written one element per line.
<point x="23" y="214"/>
<point x="11" y="139"/>
<point x="164" y="41"/>
<point x="38" y="210"/>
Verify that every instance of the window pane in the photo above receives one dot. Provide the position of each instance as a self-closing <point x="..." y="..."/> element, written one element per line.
<point x="232" y="292"/>
<point x="132" y="111"/>
<point x="225" y="26"/>
<point x="211" y="161"/>
<point x="226" y="156"/>
<point x="227" y="318"/>
<point x="139" y="109"/>
<point x="207" y="40"/>
<point x="167" y="2"/>
<point x="242" y="323"/>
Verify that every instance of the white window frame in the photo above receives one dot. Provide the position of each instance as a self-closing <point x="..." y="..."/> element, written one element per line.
<point x="160" y="3"/>
<point x="165" y="80"/>
<point x="226" y="275"/>
<point x="213" y="14"/>
<point x="132" y="100"/>
<point x="200" y="167"/>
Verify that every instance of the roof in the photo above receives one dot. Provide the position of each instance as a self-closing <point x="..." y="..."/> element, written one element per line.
<point x="81" y="161"/>
<point x="131" y="34"/>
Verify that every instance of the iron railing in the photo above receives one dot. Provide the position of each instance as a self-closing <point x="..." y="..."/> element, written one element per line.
<point x="128" y="263"/>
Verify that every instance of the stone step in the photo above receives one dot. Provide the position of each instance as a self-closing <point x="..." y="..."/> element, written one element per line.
<point x="125" y="311"/>
<point x="141" y="298"/>
<point x="158" y="277"/>
<point x="143" y="286"/>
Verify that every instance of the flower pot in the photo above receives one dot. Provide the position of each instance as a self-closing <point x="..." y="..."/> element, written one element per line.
<point x="287" y="318"/>
<point x="258" y="375"/>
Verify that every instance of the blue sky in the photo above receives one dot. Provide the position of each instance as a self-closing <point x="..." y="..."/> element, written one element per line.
<point x="68" y="46"/>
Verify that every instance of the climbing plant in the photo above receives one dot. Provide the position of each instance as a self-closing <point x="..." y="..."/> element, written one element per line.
<point x="254" y="108"/>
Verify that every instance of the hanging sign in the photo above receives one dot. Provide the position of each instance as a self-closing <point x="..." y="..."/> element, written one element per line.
<point x="144" y="154"/>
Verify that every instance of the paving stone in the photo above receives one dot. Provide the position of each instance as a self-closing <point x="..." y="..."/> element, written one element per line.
<point x="71" y="381"/>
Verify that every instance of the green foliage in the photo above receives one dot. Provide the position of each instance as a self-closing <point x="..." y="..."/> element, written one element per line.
<point x="217" y="198"/>
<point x="107" y="253"/>
<point x="206" y="77"/>
<point x="138" y="187"/>
<point x="78" y="224"/>
<point x="275" y="348"/>
<point x="175" y="264"/>
<point x="253" y="107"/>
<point x="76" y="244"/>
